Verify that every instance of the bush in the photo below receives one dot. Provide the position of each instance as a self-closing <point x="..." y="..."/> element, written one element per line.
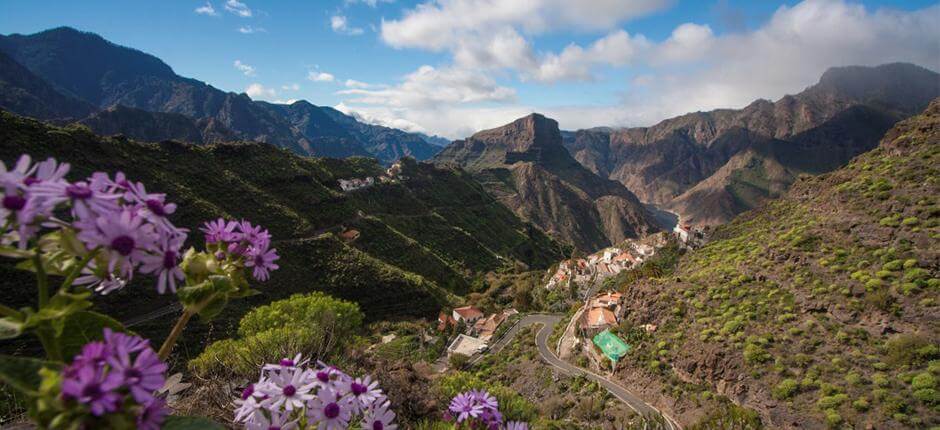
<point x="923" y="380"/>
<point x="830" y="402"/>
<point x="833" y="419"/>
<point x="928" y="396"/>
<point x="458" y="361"/>
<point x="910" y="349"/>
<point x="785" y="389"/>
<point x="754" y="353"/>
<point x="315" y="325"/>
<point x="860" y="405"/>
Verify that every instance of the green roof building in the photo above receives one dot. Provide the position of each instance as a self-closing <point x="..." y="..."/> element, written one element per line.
<point x="611" y="345"/>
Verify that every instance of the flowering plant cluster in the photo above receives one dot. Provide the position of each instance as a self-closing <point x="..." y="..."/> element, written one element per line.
<point x="109" y="384"/>
<point x="97" y="234"/>
<point x="291" y="395"/>
<point x="479" y="409"/>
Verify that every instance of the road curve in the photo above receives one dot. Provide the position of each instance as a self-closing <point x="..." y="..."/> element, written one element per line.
<point x="547" y="323"/>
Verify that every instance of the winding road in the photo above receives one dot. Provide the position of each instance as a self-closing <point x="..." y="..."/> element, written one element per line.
<point x="547" y="323"/>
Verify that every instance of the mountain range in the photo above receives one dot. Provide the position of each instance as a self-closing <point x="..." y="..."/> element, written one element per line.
<point x="68" y="75"/>
<point x="525" y="166"/>
<point x="710" y="166"/>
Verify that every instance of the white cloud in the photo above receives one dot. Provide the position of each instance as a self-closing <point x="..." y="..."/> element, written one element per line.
<point x="244" y="68"/>
<point x="260" y="92"/>
<point x="370" y="3"/>
<point x="247" y="29"/>
<point x="692" y="69"/>
<point x="291" y="87"/>
<point x="352" y="83"/>
<point x="340" y="25"/>
<point x="207" y="10"/>
<point x="316" y="76"/>
<point x="238" y="8"/>
<point x="285" y="102"/>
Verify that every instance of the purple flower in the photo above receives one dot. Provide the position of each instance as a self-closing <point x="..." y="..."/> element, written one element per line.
<point x="153" y="206"/>
<point x="124" y="236"/>
<point x="152" y="415"/>
<point x="89" y="199"/>
<point x="48" y="171"/>
<point x="256" y="236"/>
<point x="465" y="406"/>
<point x="364" y="391"/>
<point x="93" y="387"/>
<point x="484" y="399"/>
<point x="288" y="388"/>
<point x="165" y="263"/>
<point x="102" y="283"/>
<point x="378" y="417"/>
<point x="278" y="421"/>
<point x="330" y="410"/>
<point x="262" y="260"/>
<point x="18" y="174"/>
<point x="121" y="342"/>
<point x="219" y="230"/>
<point x="142" y="375"/>
<point x="517" y="425"/>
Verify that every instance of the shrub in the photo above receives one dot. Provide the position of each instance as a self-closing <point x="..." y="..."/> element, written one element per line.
<point x="829" y="402"/>
<point x="928" y="396"/>
<point x="754" y="353"/>
<point x="833" y="419"/>
<point x="923" y="380"/>
<point x="315" y="325"/>
<point x="860" y="405"/>
<point x="910" y="349"/>
<point x="785" y="389"/>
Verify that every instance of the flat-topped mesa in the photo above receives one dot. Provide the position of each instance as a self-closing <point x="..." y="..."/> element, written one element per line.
<point x="533" y="138"/>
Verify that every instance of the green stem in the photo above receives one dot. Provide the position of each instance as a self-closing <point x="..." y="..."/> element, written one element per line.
<point x="10" y="312"/>
<point x="78" y="269"/>
<point x="49" y="344"/>
<point x="175" y="334"/>
<point x="42" y="281"/>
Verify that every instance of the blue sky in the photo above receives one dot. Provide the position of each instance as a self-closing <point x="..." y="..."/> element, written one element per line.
<point x="454" y="66"/>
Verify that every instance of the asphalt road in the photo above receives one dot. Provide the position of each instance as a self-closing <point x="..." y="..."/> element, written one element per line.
<point x="547" y="322"/>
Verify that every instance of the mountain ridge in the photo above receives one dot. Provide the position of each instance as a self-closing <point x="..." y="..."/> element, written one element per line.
<point x="661" y="162"/>
<point x="87" y="67"/>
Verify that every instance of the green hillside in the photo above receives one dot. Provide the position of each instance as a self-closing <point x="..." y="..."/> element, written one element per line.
<point x="422" y="239"/>
<point x="821" y="309"/>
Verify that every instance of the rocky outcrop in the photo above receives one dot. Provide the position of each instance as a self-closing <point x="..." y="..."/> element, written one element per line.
<point x="526" y="167"/>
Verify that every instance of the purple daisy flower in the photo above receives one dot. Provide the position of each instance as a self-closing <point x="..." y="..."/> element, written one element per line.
<point x="165" y="263"/>
<point x="101" y="283"/>
<point x="517" y="425"/>
<point x="289" y="388"/>
<point x="262" y="261"/>
<point x="465" y="406"/>
<point x="152" y="415"/>
<point x="278" y="421"/>
<point x="124" y="236"/>
<point x="484" y="399"/>
<point x="18" y="174"/>
<point x="219" y="230"/>
<point x="364" y="392"/>
<point x="48" y="171"/>
<point x="120" y="342"/>
<point x="153" y="206"/>
<point x="94" y="388"/>
<point x="89" y="199"/>
<point x="256" y="236"/>
<point x="379" y="417"/>
<point x="142" y="375"/>
<point x="330" y="410"/>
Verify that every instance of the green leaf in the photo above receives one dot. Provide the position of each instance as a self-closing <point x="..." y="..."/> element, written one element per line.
<point x="209" y="297"/>
<point x="83" y="327"/>
<point x="14" y="252"/>
<point x="190" y="423"/>
<point x="22" y="373"/>
<point x="10" y="328"/>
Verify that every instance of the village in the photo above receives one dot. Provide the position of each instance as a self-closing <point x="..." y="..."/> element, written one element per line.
<point x="591" y="332"/>
<point x="392" y="174"/>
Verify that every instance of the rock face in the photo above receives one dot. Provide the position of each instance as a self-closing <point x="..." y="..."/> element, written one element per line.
<point x="80" y="73"/>
<point x="674" y="163"/>
<point x="526" y="167"/>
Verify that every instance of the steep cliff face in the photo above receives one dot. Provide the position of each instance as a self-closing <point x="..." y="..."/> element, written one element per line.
<point x="526" y="166"/>
<point x="815" y="131"/>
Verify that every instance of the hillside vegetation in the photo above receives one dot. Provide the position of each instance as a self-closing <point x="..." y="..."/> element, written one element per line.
<point x="821" y="309"/>
<point x="422" y="239"/>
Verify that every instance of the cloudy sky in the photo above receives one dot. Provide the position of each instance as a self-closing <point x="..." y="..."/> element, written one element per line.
<point x="451" y="67"/>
